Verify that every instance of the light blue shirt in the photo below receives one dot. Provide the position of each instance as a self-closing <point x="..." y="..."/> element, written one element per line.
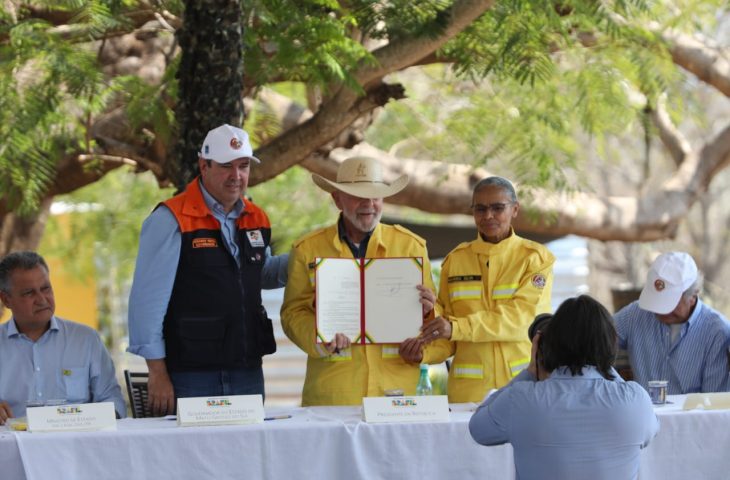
<point x="68" y="362"/>
<point x="697" y="361"/>
<point x="160" y="243"/>
<point x="581" y="427"/>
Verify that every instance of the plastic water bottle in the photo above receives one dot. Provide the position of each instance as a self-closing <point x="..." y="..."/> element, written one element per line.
<point x="424" y="382"/>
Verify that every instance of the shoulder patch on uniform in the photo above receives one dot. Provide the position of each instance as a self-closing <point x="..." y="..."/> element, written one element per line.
<point x="539" y="280"/>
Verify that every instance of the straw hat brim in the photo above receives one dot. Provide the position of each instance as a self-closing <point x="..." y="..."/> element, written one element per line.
<point x="363" y="189"/>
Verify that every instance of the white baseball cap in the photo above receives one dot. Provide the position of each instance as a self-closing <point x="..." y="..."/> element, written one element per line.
<point x="225" y="144"/>
<point x="670" y="275"/>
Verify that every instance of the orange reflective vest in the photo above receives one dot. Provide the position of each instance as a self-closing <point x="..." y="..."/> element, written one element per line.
<point x="215" y="318"/>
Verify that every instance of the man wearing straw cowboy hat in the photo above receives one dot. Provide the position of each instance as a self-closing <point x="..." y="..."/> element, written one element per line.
<point x="338" y="372"/>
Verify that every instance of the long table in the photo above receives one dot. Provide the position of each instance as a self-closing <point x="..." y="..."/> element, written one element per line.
<point x="332" y="443"/>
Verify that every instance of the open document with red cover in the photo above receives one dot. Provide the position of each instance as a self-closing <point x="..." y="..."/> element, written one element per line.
<point x="371" y="300"/>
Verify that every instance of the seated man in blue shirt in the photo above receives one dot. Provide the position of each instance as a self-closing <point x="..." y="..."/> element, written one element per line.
<point x="43" y="357"/>
<point x="671" y="335"/>
<point x="569" y="415"/>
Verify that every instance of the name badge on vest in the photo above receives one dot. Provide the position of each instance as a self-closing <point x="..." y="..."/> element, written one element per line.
<point x="255" y="238"/>
<point x="205" y="243"/>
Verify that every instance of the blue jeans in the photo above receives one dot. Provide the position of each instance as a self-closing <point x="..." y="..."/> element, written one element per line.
<point x="211" y="383"/>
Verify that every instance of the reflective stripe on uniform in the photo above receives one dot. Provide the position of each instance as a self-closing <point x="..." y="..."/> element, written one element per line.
<point x="518" y="365"/>
<point x="466" y="291"/>
<point x="504" y="291"/>
<point x="344" y="355"/>
<point x="390" y="352"/>
<point x="467" y="370"/>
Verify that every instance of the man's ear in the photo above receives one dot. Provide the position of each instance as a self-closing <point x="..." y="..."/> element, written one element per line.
<point x="4" y="299"/>
<point x="336" y="198"/>
<point x="202" y="164"/>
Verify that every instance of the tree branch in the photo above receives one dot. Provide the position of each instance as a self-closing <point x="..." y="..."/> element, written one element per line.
<point x="344" y="107"/>
<point x="442" y="188"/>
<point x="708" y="63"/>
<point x="715" y="157"/>
<point x="335" y="115"/>
<point x="397" y="55"/>
<point x="671" y="137"/>
<point x="81" y="32"/>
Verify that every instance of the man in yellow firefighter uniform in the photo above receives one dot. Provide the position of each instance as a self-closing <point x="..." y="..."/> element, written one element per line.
<point x="341" y="372"/>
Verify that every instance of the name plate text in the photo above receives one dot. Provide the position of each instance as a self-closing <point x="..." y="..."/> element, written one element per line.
<point x="69" y="418"/>
<point x="226" y="410"/>
<point x="431" y="408"/>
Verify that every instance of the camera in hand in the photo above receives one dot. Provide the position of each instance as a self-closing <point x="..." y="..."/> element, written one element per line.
<point x="539" y="324"/>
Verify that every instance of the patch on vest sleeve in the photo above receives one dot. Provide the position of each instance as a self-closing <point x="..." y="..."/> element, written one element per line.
<point x="539" y="280"/>
<point x="205" y="243"/>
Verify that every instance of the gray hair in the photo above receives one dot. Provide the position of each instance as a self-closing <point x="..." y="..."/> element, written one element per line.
<point x="696" y="286"/>
<point x="18" y="261"/>
<point x="500" y="182"/>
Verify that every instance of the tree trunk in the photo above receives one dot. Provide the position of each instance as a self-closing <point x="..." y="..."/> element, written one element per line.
<point x="210" y="78"/>
<point x="22" y="233"/>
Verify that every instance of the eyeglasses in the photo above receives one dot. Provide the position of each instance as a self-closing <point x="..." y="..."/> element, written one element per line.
<point x="494" y="208"/>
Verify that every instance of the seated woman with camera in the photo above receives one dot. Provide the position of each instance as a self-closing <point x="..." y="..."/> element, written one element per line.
<point x="569" y="415"/>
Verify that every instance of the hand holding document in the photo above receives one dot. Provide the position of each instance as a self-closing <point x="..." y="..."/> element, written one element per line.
<point x="372" y="300"/>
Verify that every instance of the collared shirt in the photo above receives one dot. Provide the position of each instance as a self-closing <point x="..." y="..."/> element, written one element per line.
<point x="569" y="427"/>
<point x="68" y="362"/>
<point x="227" y="220"/>
<point x="358" y="251"/>
<point x="696" y="361"/>
<point x="154" y="275"/>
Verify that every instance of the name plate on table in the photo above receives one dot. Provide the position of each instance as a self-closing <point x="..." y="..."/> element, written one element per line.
<point x="227" y="410"/>
<point x="707" y="401"/>
<point x="430" y="408"/>
<point x="70" y="418"/>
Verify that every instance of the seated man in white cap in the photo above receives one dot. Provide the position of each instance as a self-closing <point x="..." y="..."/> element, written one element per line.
<point x="671" y="335"/>
<point x="338" y="372"/>
<point x="195" y="310"/>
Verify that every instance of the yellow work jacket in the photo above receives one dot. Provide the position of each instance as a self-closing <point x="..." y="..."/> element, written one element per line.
<point x="361" y="370"/>
<point x="491" y="293"/>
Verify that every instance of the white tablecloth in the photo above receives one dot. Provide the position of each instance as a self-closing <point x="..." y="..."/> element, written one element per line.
<point x="691" y="445"/>
<point x="317" y="443"/>
<point x="332" y="443"/>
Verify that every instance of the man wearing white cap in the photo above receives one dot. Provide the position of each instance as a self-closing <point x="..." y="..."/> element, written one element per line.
<point x="195" y="310"/>
<point x="671" y="335"/>
<point x="341" y="373"/>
